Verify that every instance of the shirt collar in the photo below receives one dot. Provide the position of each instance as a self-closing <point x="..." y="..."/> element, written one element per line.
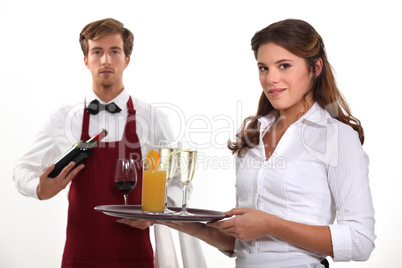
<point x="120" y="100"/>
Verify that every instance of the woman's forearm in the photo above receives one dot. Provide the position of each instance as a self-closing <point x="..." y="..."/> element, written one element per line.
<point x="250" y="224"/>
<point x="312" y="238"/>
<point x="210" y="235"/>
<point x="217" y="238"/>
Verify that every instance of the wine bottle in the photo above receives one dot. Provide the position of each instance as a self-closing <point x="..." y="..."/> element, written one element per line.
<point x="79" y="152"/>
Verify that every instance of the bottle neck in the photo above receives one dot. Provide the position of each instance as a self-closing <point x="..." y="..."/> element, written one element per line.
<point x="98" y="137"/>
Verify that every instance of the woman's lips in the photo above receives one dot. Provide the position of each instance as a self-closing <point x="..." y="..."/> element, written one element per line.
<point x="276" y="91"/>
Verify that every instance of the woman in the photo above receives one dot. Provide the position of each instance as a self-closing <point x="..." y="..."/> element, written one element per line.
<point x="300" y="164"/>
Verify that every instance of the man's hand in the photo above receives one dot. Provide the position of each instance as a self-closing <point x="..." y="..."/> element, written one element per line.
<point x="49" y="187"/>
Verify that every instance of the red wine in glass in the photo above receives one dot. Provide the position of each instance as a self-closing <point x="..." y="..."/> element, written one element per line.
<point x="126" y="186"/>
<point x="125" y="176"/>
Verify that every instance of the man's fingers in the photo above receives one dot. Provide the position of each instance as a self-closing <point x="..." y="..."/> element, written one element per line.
<point x="72" y="175"/>
<point x="66" y="170"/>
<point x="48" y="170"/>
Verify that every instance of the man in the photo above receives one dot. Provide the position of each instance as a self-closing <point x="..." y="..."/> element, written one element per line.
<point x="94" y="239"/>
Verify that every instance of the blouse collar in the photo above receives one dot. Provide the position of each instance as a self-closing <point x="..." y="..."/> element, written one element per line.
<point x="315" y="115"/>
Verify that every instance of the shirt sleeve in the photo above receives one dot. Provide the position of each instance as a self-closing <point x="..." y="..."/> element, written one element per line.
<point x="353" y="236"/>
<point x="47" y="145"/>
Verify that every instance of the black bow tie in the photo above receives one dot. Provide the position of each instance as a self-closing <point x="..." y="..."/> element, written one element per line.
<point x="95" y="106"/>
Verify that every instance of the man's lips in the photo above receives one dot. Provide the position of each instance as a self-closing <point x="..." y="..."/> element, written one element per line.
<point x="106" y="72"/>
<point x="276" y="91"/>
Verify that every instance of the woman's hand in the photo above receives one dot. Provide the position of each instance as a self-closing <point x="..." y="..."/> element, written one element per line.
<point x="140" y="224"/>
<point x="248" y="224"/>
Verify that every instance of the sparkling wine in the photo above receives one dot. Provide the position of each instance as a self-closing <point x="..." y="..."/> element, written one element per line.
<point x="171" y="165"/>
<point x="126" y="186"/>
<point x="186" y="164"/>
<point x="79" y="152"/>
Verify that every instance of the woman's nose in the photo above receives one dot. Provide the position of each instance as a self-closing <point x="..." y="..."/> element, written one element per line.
<point x="273" y="77"/>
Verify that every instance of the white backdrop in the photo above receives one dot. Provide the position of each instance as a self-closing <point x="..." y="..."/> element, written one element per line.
<point x="195" y="55"/>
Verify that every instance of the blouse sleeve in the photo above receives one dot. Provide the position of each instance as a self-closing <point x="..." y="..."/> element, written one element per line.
<point x="353" y="236"/>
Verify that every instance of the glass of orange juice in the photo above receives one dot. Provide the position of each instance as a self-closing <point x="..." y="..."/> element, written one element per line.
<point x="153" y="191"/>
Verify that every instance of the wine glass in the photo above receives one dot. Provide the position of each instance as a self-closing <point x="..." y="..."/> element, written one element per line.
<point x="186" y="164"/>
<point x="125" y="176"/>
<point x="168" y="160"/>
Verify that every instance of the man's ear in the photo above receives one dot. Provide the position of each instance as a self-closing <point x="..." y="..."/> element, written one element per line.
<point x="86" y="62"/>
<point x="128" y="58"/>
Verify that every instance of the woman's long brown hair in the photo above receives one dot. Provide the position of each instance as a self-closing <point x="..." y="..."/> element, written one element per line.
<point x="301" y="39"/>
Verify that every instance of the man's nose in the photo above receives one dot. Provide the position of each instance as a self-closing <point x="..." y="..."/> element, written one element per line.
<point x="106" y="59"/>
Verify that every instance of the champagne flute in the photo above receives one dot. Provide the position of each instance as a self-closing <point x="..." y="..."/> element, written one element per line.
<point x="186" y="164"/>
<point x="125" y="176"/>
<point x="168" y="160"/>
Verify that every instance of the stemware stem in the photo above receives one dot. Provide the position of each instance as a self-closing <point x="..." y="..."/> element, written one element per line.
<point x="184" y="203"/>
<point x="125" y="199"/>
<point x="167" y="210"/>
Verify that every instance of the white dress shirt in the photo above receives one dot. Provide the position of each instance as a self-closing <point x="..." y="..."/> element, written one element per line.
<point x="63" y="128"/>
<point x="318" y="172"/>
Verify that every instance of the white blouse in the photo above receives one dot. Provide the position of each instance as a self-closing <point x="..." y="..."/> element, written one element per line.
<point x="318" y="172"/>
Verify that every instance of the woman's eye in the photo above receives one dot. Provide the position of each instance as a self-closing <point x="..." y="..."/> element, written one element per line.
<point x="263" y="68"/>
<point x="284" y="66"/>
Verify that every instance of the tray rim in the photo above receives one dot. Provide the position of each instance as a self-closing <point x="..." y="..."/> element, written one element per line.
<point x="213" y="215"/>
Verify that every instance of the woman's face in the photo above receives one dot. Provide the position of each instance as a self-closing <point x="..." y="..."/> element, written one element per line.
<point x="285" y="78"/>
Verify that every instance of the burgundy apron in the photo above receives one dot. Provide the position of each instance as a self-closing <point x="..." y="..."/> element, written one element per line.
<point x="94" y="239"/>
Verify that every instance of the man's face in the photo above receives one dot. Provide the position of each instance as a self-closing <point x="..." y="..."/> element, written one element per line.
<point x="106" y="61"/>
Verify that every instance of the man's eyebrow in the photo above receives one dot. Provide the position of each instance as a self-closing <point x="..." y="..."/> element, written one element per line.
<point x="100" y="48"/>
<point x="96" y="48"/>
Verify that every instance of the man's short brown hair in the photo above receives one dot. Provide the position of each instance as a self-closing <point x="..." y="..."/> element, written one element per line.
<point x="98" y="29"/>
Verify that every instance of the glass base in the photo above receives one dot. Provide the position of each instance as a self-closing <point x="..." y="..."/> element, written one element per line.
<point x="169" y="212"/>
<point x="185" y="214"/>
<point x="152" y="213"/>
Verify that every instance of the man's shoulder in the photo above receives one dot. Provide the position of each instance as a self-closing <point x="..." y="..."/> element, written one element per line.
<point x="66" y="106"/>
<point x="147" y="109"/>
<point x="140" y="105"/>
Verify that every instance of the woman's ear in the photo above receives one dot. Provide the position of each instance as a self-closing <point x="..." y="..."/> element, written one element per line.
<point x="318" y="67"/>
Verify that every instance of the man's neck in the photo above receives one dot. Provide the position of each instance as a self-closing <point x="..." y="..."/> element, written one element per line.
<point x="106" y="94"/>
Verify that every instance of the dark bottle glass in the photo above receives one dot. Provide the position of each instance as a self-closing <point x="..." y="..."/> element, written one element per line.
<point x="78" y="153"/>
